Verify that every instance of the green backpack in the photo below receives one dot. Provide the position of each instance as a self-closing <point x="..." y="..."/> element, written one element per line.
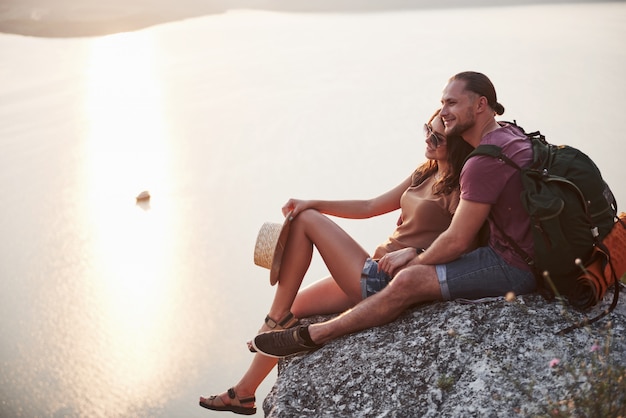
<point x="571" y="210"/>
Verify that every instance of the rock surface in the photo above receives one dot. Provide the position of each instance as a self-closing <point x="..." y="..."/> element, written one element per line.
<point x="491" y="359"/>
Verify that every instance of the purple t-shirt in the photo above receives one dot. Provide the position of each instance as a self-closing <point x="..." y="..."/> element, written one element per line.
<point x="485" y="179"/>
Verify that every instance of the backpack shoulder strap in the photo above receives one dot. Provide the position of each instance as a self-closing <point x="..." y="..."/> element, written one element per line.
<point x="523" y="254"/>
<point x="534" y="134"/>
<point x="496" y="152"/>
<point x="492" y="151"/>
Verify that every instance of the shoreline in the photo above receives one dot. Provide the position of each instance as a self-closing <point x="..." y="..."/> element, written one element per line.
<point x="63" y="19"/>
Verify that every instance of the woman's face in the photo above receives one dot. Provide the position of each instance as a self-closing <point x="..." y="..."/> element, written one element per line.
<point x="436" y="146"/>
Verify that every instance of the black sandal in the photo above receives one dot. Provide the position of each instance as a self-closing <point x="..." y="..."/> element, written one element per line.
<point x="288" y="321"/>
<point x="215" y="403"/>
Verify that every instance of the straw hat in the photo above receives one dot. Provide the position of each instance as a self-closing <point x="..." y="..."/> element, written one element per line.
<point x="269" y="247"/>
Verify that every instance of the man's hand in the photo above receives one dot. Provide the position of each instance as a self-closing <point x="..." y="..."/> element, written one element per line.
<point x="392" y="262"/>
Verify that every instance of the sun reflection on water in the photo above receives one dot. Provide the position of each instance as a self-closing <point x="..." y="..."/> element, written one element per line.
<point x="127" y="151"/>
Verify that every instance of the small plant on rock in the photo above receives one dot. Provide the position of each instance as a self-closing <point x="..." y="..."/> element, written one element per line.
<point x="445" y="382"/>
<point x="594" y="388"/>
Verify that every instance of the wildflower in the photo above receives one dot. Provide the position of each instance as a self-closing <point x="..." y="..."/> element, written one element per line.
<point x="595" y="347"/>
<point x="554" y="362"/>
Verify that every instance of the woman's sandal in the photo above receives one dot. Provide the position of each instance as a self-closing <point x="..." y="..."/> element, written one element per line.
<point x="286" y="322"/>
<point x="216" y="403"/>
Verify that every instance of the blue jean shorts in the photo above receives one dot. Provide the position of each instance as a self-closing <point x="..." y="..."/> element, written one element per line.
<point x="372" y="280"/>
<point x="482" y="273"/>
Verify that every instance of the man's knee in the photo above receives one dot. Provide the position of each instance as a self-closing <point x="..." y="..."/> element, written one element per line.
<point x="416" y="284"/>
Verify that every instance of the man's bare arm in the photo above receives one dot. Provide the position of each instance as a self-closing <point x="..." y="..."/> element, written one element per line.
<point x="459" y="237"/>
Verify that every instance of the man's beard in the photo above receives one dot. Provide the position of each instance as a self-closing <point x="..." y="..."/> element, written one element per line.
<point x="461" y="127"/>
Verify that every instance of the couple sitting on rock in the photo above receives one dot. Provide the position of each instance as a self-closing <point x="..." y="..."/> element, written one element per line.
<point x="432" y="255"/>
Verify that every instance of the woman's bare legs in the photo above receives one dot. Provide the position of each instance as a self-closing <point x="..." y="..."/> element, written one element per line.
<point x="344" y="258"/>
<point x="321" y="297"/>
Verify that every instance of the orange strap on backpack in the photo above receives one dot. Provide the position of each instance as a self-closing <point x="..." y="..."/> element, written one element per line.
<point x="615" y="242"/>
<point x="607" y="266"/>
<point x="608" y="263"/>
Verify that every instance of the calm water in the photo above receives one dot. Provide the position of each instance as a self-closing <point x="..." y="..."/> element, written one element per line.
<point x="112" y="309"/>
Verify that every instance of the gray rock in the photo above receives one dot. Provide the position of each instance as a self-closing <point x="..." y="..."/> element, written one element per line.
<point x="491" y="359"/>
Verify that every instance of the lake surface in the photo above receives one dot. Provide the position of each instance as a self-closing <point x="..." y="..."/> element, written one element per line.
<point x="111" y="308"/>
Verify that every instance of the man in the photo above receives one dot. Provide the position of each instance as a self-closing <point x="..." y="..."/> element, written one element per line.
<point x="490" y="191"/>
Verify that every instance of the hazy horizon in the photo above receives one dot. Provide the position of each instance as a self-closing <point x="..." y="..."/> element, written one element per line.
<point x="71" y="18"/>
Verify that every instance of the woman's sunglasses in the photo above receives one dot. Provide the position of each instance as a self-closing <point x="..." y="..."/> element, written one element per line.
<point x="435" y="138"/>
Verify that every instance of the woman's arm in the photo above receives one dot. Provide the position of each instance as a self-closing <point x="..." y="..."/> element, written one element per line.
<point x="353" y="209"/>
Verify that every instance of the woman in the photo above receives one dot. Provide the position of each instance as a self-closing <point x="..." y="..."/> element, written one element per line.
<point x="427" y="199"/>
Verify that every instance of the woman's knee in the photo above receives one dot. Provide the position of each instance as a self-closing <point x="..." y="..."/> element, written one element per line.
<point x="306" y="219"/>
<point x="308" y="216"/>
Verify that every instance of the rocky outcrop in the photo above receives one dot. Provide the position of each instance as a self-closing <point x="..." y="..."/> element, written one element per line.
<point x="490" y="359"/>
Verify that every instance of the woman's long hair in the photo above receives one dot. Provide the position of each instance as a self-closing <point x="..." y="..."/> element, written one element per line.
<point x="458" y="150"/>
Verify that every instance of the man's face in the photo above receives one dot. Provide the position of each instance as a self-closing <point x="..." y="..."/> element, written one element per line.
<point x="457" y="108"/>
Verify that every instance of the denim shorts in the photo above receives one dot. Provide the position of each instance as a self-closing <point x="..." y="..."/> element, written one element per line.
<point x="372" y="280"/>
<point x="482" y="273"/>
<point x="479" y="274"/>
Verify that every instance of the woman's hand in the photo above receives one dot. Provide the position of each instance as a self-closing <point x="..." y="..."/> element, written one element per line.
<point x="392" y="262"/>
<point x="295" y="206"/>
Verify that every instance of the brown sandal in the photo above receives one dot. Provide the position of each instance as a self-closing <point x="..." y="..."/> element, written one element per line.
<point x="215" y="403"/>
<point x="286" y="322"/>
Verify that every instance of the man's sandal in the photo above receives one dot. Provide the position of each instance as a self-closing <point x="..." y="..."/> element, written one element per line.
<point x="216" y="403"/>
<point x="286" y="322"/>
